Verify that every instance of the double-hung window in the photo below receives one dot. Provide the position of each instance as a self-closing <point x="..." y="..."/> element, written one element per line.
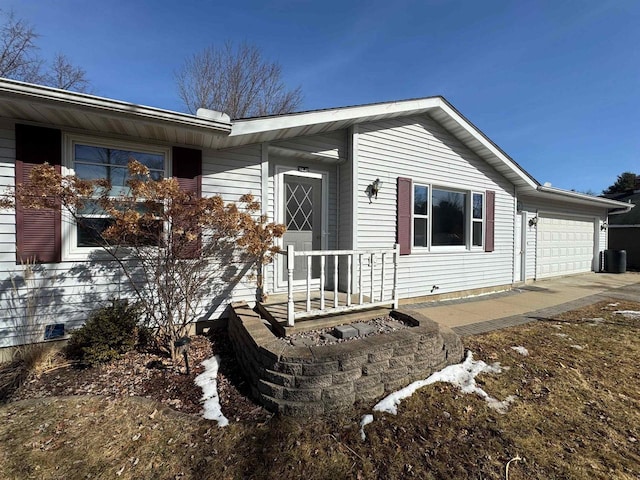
<point x="420" y="216"/>
<point x="447" y="218"/>
<point x="477" y="220"/>
<point x="97" y="160"/>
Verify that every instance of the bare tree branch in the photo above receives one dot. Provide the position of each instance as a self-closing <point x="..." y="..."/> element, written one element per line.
<point x="236" y="81"/>
<point x="18" y="51"/>
<point x="19" y="59"/>
<point x="66" y="76"/>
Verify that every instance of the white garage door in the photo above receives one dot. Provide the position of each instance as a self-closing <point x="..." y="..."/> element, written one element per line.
<point x="565" y="245"/>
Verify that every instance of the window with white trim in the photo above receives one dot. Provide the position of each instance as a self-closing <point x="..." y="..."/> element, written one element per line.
<point x="477" y="220"/>
<point x="447" y="218"/>
<point x="420" y="216"/>
<point x="95" y="160"/>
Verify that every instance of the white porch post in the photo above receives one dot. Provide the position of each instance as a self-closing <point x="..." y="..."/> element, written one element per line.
<point x="396" y="260"/>
<point x="290" y="306"/>
<point x="322" y="281"/>
<point x="360" y="293"/>
<point x="349" y="267"/>
<point x="372" y="259"/>
<point x="335" y="281"/>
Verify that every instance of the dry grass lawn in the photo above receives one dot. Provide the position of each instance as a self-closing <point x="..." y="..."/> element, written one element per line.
<point x="576" y="416"/>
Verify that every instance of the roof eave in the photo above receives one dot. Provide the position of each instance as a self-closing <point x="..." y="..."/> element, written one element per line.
<point x="581" y="198"/>
<point x="109" y="107"/>
<point x="284" y="126"/>
<point x="356" y="114"/>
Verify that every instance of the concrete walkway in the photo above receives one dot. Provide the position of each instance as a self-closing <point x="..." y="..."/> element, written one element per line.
<point x="541" y="299"/>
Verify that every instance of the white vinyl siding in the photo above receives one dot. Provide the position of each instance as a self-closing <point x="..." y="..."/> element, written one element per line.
<point x="420" y="149"/>
<point x="231" y="174"/>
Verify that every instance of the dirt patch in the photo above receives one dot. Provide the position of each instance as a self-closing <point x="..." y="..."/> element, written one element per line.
<point x="152" y="376"/>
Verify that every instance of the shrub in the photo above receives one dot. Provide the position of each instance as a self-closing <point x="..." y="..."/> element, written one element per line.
<point x="108" y="333"/>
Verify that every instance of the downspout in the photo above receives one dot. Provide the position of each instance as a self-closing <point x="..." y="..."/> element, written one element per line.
<point x="513" y="242"/>
<point x="339" y="164"/>
<point x="265" y="271"/>
<point x="536" y="250"/>
<point x="353" y="156"/>
<point x="338" y="216"/>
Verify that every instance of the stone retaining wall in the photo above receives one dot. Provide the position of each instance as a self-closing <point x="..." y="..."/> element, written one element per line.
<point x="318" y="379"/>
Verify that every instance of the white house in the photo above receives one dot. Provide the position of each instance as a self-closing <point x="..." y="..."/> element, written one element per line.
<point x="356" y="179"/>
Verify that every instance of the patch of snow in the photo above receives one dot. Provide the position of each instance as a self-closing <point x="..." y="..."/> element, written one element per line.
<point x="577" y="347"/>
<point x="628" y="313"/>
<point x="595" y="321"/>
<point x="561" y="335"/>
<point x="366" y="420"/>
<point x="501" y="406"/>
<point x="613" y="304"/>
<point x="521" y="350"/>
<point x="461" y="375"/>
<point x="207" y="380"/>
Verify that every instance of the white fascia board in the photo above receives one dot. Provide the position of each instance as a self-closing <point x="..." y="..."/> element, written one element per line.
<point x="63" y="98"/>
<point x="299" y="154"/>
<point x="584" y="199"/>
<point x="479" y="136"/>
<point x="358" y="114"/>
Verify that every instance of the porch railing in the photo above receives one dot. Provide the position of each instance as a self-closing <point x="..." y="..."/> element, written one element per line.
<point x="377" y="278"/>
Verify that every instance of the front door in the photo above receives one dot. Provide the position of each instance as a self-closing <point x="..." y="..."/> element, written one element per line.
<point x="302" y="213"/>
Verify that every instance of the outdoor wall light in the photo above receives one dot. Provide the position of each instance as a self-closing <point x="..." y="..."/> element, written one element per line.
<point x="533" y="221"/>
<point x="373" y="189"/>
<point x="604" y="226"/>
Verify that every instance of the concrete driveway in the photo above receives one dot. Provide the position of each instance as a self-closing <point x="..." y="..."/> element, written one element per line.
<point x="543" y="298"/>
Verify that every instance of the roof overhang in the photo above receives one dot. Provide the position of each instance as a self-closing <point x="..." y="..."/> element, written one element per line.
<point x="77" y="111"/>
<point x="614" y="206"/>
<point x="281" y="127"/>
<point x="50" y="106"/>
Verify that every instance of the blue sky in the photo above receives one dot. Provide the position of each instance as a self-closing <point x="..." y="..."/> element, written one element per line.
<point x="556" y="84"/>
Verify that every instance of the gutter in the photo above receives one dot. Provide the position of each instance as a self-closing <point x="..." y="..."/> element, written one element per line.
<point x="618" y="207"/>
<point x="623" y="210"/>
<point x="31" y="92"/>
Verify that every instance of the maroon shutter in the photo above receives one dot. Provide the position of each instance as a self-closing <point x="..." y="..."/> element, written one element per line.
<point x="38" y="232"/>
<point x="490" y="221"/>
<point x="187" y="169"/>
<point x="405" y="186"/>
